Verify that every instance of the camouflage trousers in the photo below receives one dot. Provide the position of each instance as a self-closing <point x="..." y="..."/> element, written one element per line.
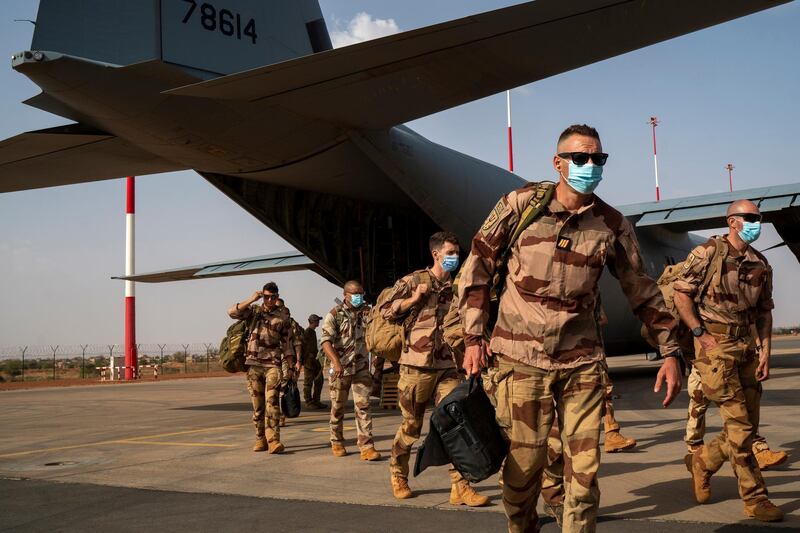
<point x="728" y="378"/>
<point x="553" y="476"/>
<point x="698" y="406"/>
<point x="416" y="387"/>
<point x="361" y="384"/>
<point x="263" y="384"/>
<point x="312" y="380"/>
<point x="527" y="399"/>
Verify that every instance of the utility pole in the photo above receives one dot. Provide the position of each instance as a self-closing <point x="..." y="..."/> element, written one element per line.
<point x="730" y="168"/>
<point x="654" y="122"/>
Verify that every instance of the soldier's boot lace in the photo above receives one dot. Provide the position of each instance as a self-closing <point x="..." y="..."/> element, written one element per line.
<point x="767" y="458"/>
<point x="765" y="510"/>
<point x="701" y="478"/>
<point x="276" y="446"/>
<point x="260" y="445"/>
<point x="616" y="442"/>
<point x="462" y="493"/>
<point x="692" y="448"/>
<point x="338" y="450"/>
<point x="370" y="454"/>
<point x="554" y="511"/>
<point x="400" y="488"/>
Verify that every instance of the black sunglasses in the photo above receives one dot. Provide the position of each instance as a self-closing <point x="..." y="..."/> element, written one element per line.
<point x="581" y="158"/>
<point x="748" y="217"/>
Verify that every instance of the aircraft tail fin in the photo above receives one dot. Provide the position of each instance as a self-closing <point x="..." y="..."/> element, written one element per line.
<point x="209" y="38"/>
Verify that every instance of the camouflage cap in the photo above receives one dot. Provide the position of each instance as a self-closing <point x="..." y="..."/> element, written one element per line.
<point x="314" y="318"/>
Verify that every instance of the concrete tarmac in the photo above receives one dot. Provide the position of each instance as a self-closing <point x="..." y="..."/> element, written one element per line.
<point x="176" y="456"/>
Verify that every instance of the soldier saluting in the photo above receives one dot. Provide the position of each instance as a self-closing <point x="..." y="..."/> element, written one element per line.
<point x="547" y="337"/>
<point x="738" y="297"/>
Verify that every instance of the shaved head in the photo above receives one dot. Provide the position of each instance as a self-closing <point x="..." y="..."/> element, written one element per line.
<point x="353" y="287"/>
<point x="742" y="206"/>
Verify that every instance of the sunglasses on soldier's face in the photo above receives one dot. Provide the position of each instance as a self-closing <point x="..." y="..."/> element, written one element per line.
<point x="581" y="158"/>
<point x="272" y="297"/>
<point x="748" y="217"/>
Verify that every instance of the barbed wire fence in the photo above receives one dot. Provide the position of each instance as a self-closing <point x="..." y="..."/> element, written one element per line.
<point x="94" y="361"/>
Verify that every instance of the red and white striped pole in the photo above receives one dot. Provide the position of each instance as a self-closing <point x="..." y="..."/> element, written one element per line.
<point x="510" y="137"/>
<point x="654" y="123"/>
<point x="131" y="359"/>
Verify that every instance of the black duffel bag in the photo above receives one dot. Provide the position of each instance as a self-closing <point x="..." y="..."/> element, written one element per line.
<point x="464" y="432"/>
<point x="290" y="401"/>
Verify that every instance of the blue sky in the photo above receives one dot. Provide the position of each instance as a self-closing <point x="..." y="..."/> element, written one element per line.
<point x="726" y="94"/>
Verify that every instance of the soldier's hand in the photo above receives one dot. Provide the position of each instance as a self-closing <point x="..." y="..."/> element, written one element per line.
<point x="671" y="372"/>
<point x="707" y="341"/>
<point x="475" y="358"/>
<point x="257" y="296"/>
<point x="338" y="371"/>
<point x="762" y="372"/>
<point x="421" y="289"/>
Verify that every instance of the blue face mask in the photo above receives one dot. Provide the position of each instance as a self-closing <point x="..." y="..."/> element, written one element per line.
<point x="585" y="178"/>
<point x="356" y="300"/>
<point x="450" y="263"/>
<point x="750" y="231"/>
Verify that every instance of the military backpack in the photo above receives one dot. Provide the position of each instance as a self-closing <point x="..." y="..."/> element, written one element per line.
<point x="233" y="347"/>
<point x="666" y="282"/>
<point x="453" y="327"/>
<point x="385" y="338"/>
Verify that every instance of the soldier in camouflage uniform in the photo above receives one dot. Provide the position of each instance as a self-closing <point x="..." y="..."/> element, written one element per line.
<point x="427" y="366"/>
<point x="312" y="369"/>
<point x="344" y="344"/>
<point x="292" y="355"/>
<point x="547" y="336"/>
<point x="731" y="370"/>
<point x="264" y="354"/>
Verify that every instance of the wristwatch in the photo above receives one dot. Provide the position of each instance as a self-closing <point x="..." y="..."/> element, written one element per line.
<point x="698" y="331"/>
<point x="677" y="354"/>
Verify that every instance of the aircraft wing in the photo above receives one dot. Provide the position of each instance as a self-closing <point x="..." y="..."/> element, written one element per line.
<point x="265" y="264"/>
<point x="388" y="81"/>
<point x="780" y="206"/>
<point x="70" y="154"/>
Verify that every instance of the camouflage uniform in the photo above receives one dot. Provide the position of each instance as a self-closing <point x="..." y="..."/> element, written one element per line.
<point x="312" y="369"/>
<point x="733" y="301"/>
<point x="427" y="367"/>
<point x="263" y="359"/>
<point x="548" y="340"/>
<point x="344" y="328"/>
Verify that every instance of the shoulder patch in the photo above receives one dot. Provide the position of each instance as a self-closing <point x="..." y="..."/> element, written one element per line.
<point x="494" y="217"/>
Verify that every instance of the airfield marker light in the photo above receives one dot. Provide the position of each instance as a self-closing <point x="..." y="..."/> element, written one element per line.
<point x="510" y="136"/>
<point x="131" y="359"/>
<point x="730" y="168"/>
<point x="654" y="122"/>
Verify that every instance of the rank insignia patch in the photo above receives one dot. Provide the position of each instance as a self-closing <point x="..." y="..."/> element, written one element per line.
<point x="564" y="243"/>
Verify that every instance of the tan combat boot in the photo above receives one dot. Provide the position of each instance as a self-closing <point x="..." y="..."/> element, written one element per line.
<point x="767" y="458"/>
<point x="370" y="454"/>
<point x="462" y="494"/>
<point x="616" y="442"/>
<point x="260" y="444"/>
<point x="400" y="488"/>
<point x="766" y="511"/>
<point x="701" y="479"/>
<point x="276" y="446"/>
<point x="338" y="450"/>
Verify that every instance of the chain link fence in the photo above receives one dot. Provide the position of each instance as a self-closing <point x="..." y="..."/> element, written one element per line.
<point x="93" y="361"/>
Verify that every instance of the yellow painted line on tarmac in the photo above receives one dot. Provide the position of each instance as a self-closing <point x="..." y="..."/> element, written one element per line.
<point x="117" y="441"/>
<point x="198" y="444"/>
<point x="327" y="429"/>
